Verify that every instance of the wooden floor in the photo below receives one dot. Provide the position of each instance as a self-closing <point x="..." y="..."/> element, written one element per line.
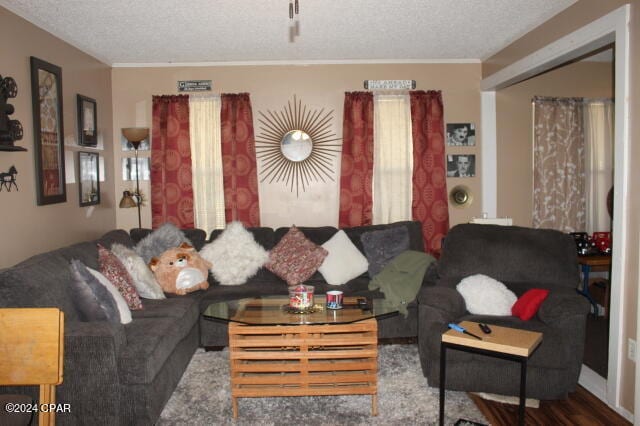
<point x="581" y="408"/>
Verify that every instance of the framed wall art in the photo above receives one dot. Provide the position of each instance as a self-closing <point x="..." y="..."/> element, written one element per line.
<point x="461" y="134"/>
<point x="48" y="133"/>
<point x="87" y="121"/>
<point x="88" y="182"/>
<point x="463" y="165"/>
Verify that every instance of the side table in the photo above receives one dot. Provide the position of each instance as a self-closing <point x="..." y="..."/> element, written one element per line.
<point x="593" y="263"/>
<point x="503" y="342"/>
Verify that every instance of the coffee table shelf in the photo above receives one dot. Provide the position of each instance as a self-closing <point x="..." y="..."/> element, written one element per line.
<point x="303" y="360"/>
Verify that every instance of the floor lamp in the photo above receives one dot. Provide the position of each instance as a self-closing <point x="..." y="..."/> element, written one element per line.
<point x="134" y="135"/>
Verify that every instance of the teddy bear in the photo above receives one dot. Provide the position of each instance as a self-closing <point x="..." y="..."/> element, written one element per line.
<point x="181" y="270"/>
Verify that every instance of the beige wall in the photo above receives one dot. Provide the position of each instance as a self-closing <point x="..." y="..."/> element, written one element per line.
<point x="514" y="140"/>
<point x="26" y="228"/>
<point x="574" y="17"/>
<point x="319" y="87"/>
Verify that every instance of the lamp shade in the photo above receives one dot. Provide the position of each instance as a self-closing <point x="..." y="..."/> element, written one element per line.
<point x="135" y="134"/>
<point x="127" y="200"/>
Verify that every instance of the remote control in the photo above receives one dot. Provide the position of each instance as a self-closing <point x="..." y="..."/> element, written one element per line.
<point x="485" y="328"/>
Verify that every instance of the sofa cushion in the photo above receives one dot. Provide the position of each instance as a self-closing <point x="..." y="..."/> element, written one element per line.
<point x="295" y="258"/>
<point x="344" y="261"/>
<point x="92" y="299"/>
<point x="150" y="342"/>
<point x="117" y="274"/>
<point x="383" y="245"/>
<point x="235" y="256"/>
<point x="143" y="279"/>
<point x="172" y="306"/>
<point x="485" y="296"/>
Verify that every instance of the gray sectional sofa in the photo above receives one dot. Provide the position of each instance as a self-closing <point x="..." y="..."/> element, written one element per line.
<point x="125" y="374"/>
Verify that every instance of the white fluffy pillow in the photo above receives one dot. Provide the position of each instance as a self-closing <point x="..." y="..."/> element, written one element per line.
<point x="143" y="279"/>
<point x="235" y="255"/>
<point x="344" y="262"/>
<point x="123" y="308"/>
<point x="485" y="296"/>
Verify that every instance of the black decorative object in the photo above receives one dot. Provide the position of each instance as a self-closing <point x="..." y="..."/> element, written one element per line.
<point x="10" y="130"/>
<point x="87" y="121"/>
<point x="88" y="178"/>
<point x="46" y="92"/>
<point x="8" y="179"/>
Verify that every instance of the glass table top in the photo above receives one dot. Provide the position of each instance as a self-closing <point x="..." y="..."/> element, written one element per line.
<point x="274" y="310"/>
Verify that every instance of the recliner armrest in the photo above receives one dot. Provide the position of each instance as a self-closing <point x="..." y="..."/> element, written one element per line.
<point x="448" y="301"/>
<point x="560" y="305"/>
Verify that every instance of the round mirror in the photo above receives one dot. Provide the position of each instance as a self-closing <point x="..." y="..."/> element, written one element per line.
<point x="460" y="196"/>
<point x="296" y="145"/>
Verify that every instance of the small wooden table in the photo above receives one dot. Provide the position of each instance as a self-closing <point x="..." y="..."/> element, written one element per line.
<point x="276" y="353"/>
<point x="503" y="342"/>
<point x="588" y="264"/>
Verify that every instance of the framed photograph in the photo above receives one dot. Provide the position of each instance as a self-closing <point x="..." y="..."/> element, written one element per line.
<point x="461" y="134"/>
<point x="463" y="165"/>
<point x="48" y="133"/>
<point x="87" y="121"/>
<point x="88" y="178"/>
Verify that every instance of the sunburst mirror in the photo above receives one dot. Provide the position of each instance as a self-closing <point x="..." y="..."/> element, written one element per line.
<point x="295" y="145"/>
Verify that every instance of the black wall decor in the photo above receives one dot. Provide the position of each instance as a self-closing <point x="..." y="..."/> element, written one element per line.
<point x="8" y="179"/>
<point x="10" y="130"/>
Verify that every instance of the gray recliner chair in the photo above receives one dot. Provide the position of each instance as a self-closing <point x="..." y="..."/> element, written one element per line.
<point x="521" y="258"/>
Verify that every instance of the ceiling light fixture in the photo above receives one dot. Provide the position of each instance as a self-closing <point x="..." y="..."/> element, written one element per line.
<point x="293" y="8"/>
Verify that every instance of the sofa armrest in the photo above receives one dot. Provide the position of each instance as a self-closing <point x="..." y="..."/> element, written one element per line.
<point x="561" y="305"/>
<point x="90" y="376"/>
<point x="445" y="304"/>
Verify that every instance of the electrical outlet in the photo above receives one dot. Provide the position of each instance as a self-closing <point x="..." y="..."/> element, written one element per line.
<point x="631" y="352"/>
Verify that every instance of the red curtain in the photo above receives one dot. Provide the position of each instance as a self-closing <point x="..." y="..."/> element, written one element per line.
<point x="429" y="173"/>
<point x="240" y="175"/>
<point x="357" y="160"/>
<point x="171" y="191"/>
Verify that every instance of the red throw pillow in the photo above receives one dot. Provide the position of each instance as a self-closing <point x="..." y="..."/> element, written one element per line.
<point x="527" y="305"/>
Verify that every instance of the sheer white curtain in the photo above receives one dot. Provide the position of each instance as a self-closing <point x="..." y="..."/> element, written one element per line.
<point x="206" y="162"/>
<point x="598" y="133"/>
<point x="392" y="159"/>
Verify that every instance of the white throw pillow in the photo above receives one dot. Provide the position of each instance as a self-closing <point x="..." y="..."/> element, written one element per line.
<point x="485" y="296"/>
<point x="235" y="255"/>
<point x="123" y="308"/>
<point x="143" y="279"/>
<point x="344" y="262"/>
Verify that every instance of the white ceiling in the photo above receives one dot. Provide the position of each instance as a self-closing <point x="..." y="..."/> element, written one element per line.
<point x="120" y="32"/>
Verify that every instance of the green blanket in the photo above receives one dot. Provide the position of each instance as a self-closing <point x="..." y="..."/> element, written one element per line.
<point x="401" y="278"/>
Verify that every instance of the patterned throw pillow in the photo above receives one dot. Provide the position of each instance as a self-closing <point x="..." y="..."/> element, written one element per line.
<point x="295" y="258"/>
<point x="117" y="274"/>
<point x="235" y="255"/>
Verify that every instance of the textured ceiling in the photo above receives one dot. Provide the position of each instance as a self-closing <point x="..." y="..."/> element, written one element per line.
<point x="215" y="31"/>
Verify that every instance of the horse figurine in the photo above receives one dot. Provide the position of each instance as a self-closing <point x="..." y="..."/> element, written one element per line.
<point x="8" y="179"/>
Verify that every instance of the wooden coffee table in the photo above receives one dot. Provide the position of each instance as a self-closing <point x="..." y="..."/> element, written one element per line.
<point x="275" y="353"/>
<point x="503" y="342"/>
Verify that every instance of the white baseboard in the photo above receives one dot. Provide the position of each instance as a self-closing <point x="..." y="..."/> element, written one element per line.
<point x="597" y="385"/>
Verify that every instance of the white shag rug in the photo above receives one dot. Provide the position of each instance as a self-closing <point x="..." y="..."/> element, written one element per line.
<point x="203" y="398"/>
